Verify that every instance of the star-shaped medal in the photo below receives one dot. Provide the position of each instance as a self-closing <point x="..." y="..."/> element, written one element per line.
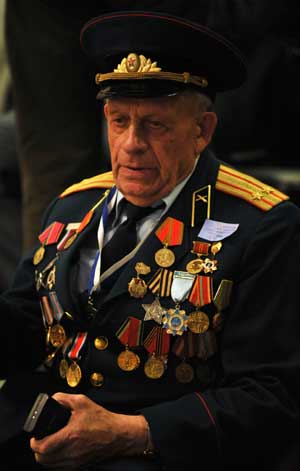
<point x="154" y="311"/>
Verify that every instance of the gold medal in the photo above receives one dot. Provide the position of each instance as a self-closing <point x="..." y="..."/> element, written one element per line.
<point x="70" y="240"/>
<point x="57" y="335"/>
<point x="137" y="288"/>
<point x="128" y="360"/>
<point x="101" y="343"/>
<point x="154" y="367"/>
<point x="198" y="322"/>
<point x="164" y="257"/>
<point x="216" y="247"/>
<point x="142" y="269"/>
<point x="195" y="266"/>
<point x="39" y="255"/>
<point x="184" y="372"/>
<point x="51" y="278"/>
<point x="63" y="368"/>
<point x="73" y="375"/>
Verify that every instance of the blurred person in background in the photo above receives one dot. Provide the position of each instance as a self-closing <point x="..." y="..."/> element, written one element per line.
<point x="10" y="194"/>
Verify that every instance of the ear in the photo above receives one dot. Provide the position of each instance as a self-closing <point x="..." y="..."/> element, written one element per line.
<point x="105" y="110"/>
<point x="206" y="130"/>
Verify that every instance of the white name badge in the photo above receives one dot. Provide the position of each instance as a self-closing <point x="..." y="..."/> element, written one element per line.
<point x="216" y="230"/>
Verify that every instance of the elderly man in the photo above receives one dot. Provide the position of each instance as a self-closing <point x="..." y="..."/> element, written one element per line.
<point x="159" y="306"/>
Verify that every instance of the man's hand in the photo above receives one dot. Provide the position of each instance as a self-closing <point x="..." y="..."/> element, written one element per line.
<point x="92" y="434"/>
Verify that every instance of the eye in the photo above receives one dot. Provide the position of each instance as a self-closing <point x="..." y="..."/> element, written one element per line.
<point x="156" y="126"/>
<point x="118" y="122"/>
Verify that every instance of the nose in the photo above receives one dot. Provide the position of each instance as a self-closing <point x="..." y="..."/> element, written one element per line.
<point x="135" y="140"/>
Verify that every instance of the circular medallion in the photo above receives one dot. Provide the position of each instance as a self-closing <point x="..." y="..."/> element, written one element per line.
<point x="97" y="379"/>
<point x="184" y="373"/>
<point x="164" y="257"/>
<point x="63" y="368"/>
<point x="73" y="375"/>
<point x="70" y="240"/>
<point x="101" y="343"/>
<point x="195" y="266"/>
<point x="39" y="255"/>
<point x="137" y="288"/>
<point x="128" y="360"/>
<point x="57" y="335"/>
<point x="154" y="367"/>
<point x="198" y="322"/>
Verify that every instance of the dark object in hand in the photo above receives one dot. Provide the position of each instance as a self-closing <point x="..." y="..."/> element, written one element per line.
<point x="46" y="416"/>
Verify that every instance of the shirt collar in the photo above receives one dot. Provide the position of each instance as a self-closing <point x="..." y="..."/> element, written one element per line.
<point x="168" y="200"/>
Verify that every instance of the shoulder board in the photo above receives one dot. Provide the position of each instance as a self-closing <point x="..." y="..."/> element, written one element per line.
<point x="104" y="180"/>
<point x="248" y="188"/>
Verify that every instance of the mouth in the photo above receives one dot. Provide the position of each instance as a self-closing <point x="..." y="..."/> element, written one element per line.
<point x="136" y="172"/>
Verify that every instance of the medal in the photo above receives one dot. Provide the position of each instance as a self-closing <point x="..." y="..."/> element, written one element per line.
<point x="73" y="375"/>
<point x="49" y="236"/>
<point x="175" y="320"/>
<point x="63" y="368"/>
<point x="57" y="335"/>
<point x="137" y="287"/>
<point x="198" y="322"/>
<point x="72" y="237"/>
<point x="39" y="255"/>
<point x="170" y="233"/>
<point x="157" y="344"/>
<point x="63" y="364"/>
<point x="51" y="278"/>
<point x="154" y="311"/>
<point x="164" y="257"/>
<point x="154" y="367"/>
<point x="223" y="294"/>
<point x="129" y="334"/>
<point x="128" y="360"/>
<point x="184" y="372"/>
<point x="200" y="249"/>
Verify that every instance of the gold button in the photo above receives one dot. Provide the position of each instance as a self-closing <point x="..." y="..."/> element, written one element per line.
<point x="97" y="379"/>
<point x="101" y="343"/>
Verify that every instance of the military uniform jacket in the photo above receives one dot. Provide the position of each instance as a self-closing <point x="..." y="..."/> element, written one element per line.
<point x="236" y="405"/>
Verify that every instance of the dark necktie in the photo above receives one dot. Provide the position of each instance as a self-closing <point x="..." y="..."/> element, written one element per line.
<point x="124" y="239"/>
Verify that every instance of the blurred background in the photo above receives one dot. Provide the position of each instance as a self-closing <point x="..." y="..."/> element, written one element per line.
<point x="52" y="128"/>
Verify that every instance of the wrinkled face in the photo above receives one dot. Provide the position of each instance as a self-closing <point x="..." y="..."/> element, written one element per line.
<point x="153" y="144"/>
